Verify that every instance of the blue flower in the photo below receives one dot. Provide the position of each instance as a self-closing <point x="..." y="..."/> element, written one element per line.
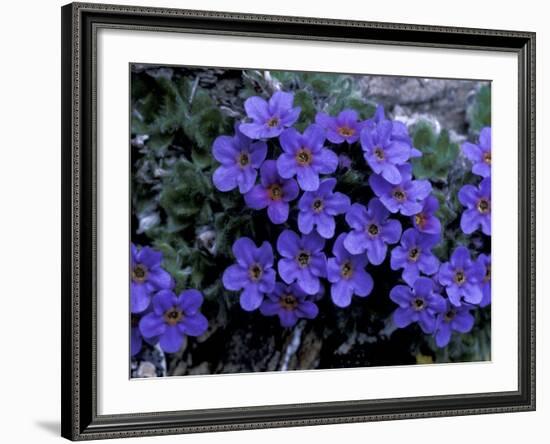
<point x="452" y="319"/>
<point x="417" y="304"/>
<point x="253" y="272"/>
<point x="302" y="260"/>
<point x="174" y="318"/>
<point x="345" y="127"/>
<point x="290" y="303"/>
<point x="384" y="154"/>
<point x="405" y="197"/>
<point x="273" y="192"/>
<point x="240" y="158"/>
<point x="146" y="277"/>
<point x="478" y="204"/>
<point x="462" y="278"/>
<point x="318" y="208"/>
<point x="480" y="154"/>
<point x="414" y="255"/>
<point x="371" y="231"/>
<point x="269" y="119"/>
<point x="305" y="156"/>
<point x="346" y="272"/>
<point x="425" y="221"/>
<point x="484" y="261"/>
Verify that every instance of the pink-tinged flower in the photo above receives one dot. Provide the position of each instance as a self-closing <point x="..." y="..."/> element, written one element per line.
<point x="346" y="272"/>
<point x="174" y="318"/>
<point x="345" y="127"/>
<point x="253" y="272"/>
<point x="480" y="154"/>
<point x="405" y="197"/>
<point x="305" y="156"/>
<point x="273" y="192"/>
<point x="478" y="204"/>
<point x="425" y="221"/>
<point x="414" y="255"/>
<point x="384" y="154"/>
<point x="462" y="278"/>
<point x="452" y="319"/>
<point x="303" y="260"/>
<point x="372" y="231"/>
<point x="269" y="119"/>
<point x="290" y="303"/>
<point x="146" y="277"/>
<point x="485" y="261"/>
<point x="240" y="158"/>
<point x="419" y="303"/>
<point x="318" y="208"/>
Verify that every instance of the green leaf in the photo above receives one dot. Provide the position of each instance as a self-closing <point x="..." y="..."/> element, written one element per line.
<point x="479" y="114"/>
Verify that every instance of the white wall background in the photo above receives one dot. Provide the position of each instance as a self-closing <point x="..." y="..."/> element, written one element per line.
<point x="30" y="220"/>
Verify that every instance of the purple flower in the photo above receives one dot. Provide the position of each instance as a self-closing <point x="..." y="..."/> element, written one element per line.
<point x="417" y="304"/>
<point x="302" y="260"/>
<point x="462" y="277"/>
<point x="425" y="221"/>
<point x="452" y="319"/>
<point x="273" y="192"/>
<point x="344" y="162"/>
<point x="346" y="272"/>
<point x="371" y="231"/>
<point x="485" y="261"/>
<point x="478" y="204"/>
<point x="384" y="154"/>
<point x="240" y="157"/>
<point x="173" y="318"/>
<point x="414" y="255"/>
<point x="405" y="197"/>
<point x="318" y="208"/>
<point x="146" y="277"/>
<point x="399" y="130"/>
<point x="344" y="127"/>
<point x="253" y="272"/>
<point x="480" y="154"/>
<point x="269" y="119"/>
<point x="136" y="339"/>
<point x="290" y="303"/>
<point x="305" y="156"/>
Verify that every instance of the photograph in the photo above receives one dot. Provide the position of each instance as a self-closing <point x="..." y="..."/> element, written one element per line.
<point x="287" y="220"/>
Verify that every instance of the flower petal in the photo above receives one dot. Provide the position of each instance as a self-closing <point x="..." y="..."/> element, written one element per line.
<point x="171" y="340"/>
<point x="251" y="298"/>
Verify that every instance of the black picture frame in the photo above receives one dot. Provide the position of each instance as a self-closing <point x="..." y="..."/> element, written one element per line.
<point x="80" y="22"/>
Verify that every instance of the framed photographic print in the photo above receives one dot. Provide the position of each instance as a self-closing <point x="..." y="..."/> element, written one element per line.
<point x="278" y="221"/>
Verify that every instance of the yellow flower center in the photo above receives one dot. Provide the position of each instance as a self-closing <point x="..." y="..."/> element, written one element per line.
<point x="346" y="269"/>
<point x="244" y="159"/>
<point x="418" y="304"/>
<point x="346" y="131"/>
<point x="483" y="206"/>
<point x="255" y="272"/>
<point x="487" y="157"/>
<point x="460" y="277"/>
<point x="414" y="254"/>
<point x="317" y="205"/>
<point x="399" y="194"/>
<point x="173" y="316"/>
<point x="379" y="153"/>
<point x="289" y="302"/>
<point x="139" y="273"/>
<point x="275" y="192"/>
<point x="303" y="157"/>
<point x="273" y="122"/>
<point x="373" y="229"/>
<point x="303" y="259"/>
